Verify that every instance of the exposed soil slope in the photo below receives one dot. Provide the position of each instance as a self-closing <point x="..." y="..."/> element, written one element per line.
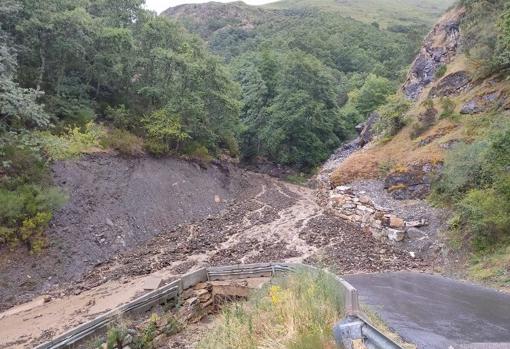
<point x="115" y="204"/>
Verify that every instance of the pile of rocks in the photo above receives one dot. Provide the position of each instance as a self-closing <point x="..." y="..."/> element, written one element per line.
<point x="360" y="210"/>
<point x="194" y="304"/>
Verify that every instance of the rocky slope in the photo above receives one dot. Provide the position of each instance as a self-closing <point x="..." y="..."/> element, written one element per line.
<point x="409" y="161"/>
<point x="450" y="104"/>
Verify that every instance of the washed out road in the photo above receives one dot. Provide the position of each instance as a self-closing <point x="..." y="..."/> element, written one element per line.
<point x="436" y="312"/>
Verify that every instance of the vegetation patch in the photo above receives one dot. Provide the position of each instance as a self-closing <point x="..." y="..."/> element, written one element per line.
<point x="295" y="312"/>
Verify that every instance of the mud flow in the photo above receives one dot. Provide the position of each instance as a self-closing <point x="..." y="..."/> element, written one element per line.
<point x="128" y="220"/>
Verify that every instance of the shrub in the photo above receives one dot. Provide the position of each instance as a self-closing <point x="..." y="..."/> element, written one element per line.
<point x="119" y="117"/>
<point x="25" y="212"/>
<point x="393" y="116"/>
<point x="73" y="142"/>
<point x="164" y="131"/>
<point x="425" y="120"/>
<point x="441" y="71"/>
<point x="447" y="106"/>
<point x="197" y="151"/>
<point x="485" y="214"/>
<point x="464" y="169"/>
<point x="124" y="142"/>
<point x="475" y="179"/>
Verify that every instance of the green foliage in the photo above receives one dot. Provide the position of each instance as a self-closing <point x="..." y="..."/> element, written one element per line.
<point x="18" y="106"/>
<point x="149" y="332"/>
<point x="113" y="57"/>
<point x="198" y="152"/>
<point x="290" y="111"/>
<point x="392" y="116"/>
<point x="309" y="303"/>
<point x="485" y="213"/>
<point x="447" y="108"/>
<point x="165" y="130"/>
<point x="476" y="182"/>
<point x="25" y="211"/>
<point x="73" y="142"/>
<point x="441" y="70"/>
<point x="115" y="337"/>
<point x="124" y="142"/>
<point x="119" y="117"/>
<point x="371" y="95"/>
<point x="486" y="35"/>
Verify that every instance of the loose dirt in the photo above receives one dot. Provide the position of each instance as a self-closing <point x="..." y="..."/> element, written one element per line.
<point x="167" y="229"/>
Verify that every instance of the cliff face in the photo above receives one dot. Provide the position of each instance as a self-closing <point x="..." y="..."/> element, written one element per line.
<point x="439" y="48"/>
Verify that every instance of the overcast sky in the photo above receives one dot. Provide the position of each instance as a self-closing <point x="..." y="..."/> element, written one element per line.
<point x="161" y="5"/>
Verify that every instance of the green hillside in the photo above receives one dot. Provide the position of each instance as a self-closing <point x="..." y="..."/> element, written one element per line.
<point x="308" y="72"/>
<point x="384" y="12"/>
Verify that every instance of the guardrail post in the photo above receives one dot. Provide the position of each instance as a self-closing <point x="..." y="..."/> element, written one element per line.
<point x="346" y="331"/>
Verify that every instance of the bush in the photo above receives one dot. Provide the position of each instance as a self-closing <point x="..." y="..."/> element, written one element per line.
<point x="447" y="106"/>
<point x="73" y="142"/>
<point x="25" y="213"/>
<point x="425" y="120"/>
<point x="165" y="131"/>
<point x="465" y="168"/>
<point x="197" y="151"/>
<point x="485" y="214"/>
<point x="124" y="142"/>
<point x="393" y="116"/>
<point x="441" y="71"/>
<point x="476" y="181"/>
<point x="120" y="117"/>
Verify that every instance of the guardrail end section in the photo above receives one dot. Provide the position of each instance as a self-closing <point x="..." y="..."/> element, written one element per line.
<point x="346" y="331"/>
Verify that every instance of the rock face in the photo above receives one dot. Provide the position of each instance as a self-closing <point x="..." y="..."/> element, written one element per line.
<point x="451" y="85"/>
<point x="412" y="183"/>
<point x="366" y="129"/>
<point x="439" y="48"/>
<point x="483" y="103"/>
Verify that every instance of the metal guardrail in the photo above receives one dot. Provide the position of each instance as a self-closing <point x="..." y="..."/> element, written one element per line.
<point x="353" y="327"/>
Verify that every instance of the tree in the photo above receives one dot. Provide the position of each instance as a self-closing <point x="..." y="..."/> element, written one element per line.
<point x="18" y="106"/>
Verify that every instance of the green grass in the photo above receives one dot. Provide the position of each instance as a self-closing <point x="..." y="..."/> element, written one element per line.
<point x="295" y="312"/>
<point x="385" y="12"/>
<point x="492" y="268"/>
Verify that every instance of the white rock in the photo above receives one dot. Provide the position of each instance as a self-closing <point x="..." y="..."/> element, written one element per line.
<point x="395" y="234"/>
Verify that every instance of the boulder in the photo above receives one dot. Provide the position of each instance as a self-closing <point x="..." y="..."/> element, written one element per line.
<point x="365" y="200"/>
<point x="396" y="222"/>
<point x="415" y="233"/>
<point x="480" y="104"/>
<point x="451" y="85"/>
<point x="395" y="234"/>
<point x="367" y="133"/>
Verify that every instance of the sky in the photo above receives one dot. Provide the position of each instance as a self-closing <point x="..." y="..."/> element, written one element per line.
<point x="161" y="5"/>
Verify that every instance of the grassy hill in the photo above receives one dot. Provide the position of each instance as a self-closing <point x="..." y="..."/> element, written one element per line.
<point x="384" y="12"/>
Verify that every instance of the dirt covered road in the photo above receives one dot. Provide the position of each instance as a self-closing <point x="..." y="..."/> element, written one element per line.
<point x="164" y="218"/>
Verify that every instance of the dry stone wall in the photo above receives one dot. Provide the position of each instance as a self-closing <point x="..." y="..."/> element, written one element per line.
<point x="360" y="210"/>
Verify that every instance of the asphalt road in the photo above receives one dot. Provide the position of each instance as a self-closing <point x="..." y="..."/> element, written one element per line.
<point x="436" y="312"/>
